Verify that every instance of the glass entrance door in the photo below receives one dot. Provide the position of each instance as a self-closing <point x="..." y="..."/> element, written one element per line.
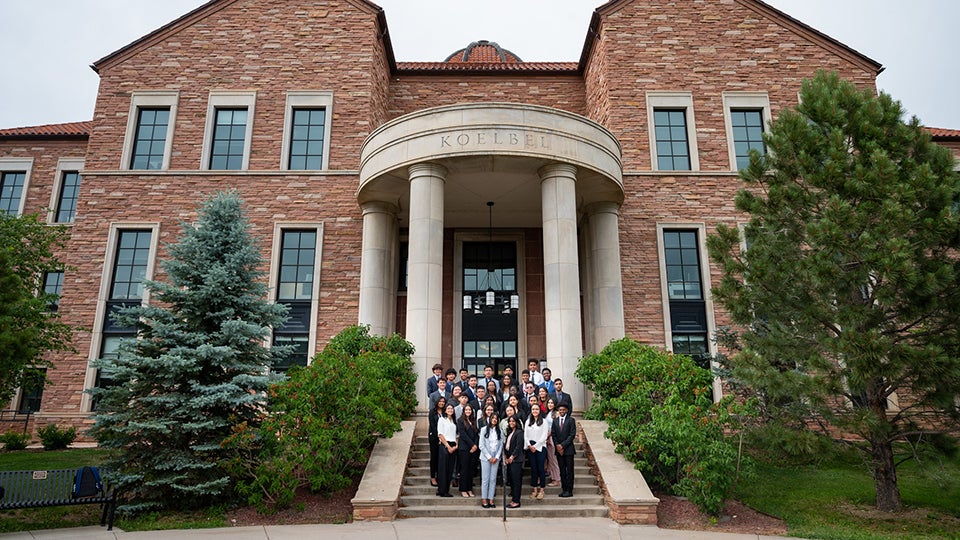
<point x="489" y="333"/>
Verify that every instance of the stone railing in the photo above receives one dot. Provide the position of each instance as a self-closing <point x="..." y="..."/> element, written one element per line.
<point x="625" y="490"/>
<point x="378" y="495"/>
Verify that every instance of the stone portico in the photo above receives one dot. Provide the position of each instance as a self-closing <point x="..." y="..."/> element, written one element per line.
<point x="433" y="171"/>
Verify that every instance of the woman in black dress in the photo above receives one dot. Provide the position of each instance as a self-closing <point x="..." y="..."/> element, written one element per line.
<point x="432" y="439"/>
<point x="513" y="457"/>
<point x="469" y="449"/>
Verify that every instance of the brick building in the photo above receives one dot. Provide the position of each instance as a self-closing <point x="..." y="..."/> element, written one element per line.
<point x="369" y="181"/>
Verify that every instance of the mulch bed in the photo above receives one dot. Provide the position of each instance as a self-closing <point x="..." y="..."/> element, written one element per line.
<point x="679" y="513"/>
<point x="307" y="507"/>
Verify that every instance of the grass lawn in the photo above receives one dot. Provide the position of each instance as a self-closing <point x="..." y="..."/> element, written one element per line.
<point x="835" y="500"/>
<point x="58" y="517"/>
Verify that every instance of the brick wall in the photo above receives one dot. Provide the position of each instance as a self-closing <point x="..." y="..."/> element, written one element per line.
<point x="409" y="93"/>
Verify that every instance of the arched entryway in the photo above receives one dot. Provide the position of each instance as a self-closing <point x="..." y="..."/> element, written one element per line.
<point x="434" y="171"/>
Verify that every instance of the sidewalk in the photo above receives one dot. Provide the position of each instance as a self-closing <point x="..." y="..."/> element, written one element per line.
<point x="405" y="529"/>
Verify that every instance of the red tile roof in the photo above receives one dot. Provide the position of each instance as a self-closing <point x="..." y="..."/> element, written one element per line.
<point x="69" y="129"/>
<point x="940" y="133"/>
<point x="472" y="66"/>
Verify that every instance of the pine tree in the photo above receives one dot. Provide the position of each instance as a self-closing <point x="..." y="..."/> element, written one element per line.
<point x="197" y="368"/>
<point x="850" y="280"/>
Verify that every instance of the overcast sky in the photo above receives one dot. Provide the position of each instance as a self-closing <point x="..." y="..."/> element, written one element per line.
<point x="48" y="45"/>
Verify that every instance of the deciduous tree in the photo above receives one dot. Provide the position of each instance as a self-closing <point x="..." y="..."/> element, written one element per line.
<point x="28" y="328"/>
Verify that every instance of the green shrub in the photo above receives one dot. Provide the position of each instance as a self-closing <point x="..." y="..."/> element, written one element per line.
<point x="325" y="418"/>
<point x="53" y="437"/>
<point x="662" y="417"/>
<point x="15" y="440"/>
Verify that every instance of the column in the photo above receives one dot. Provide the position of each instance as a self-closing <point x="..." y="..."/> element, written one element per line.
<point x="561" y="275"/>
<point x="377" y="287"/>
<point x="607" y="284"/>
<point x="425" y="271"/>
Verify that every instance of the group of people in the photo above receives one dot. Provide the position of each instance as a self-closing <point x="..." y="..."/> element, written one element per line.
<point x="498" y="423"/>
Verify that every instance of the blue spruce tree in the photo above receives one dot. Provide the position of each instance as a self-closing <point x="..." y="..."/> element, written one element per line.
<point x="198" y="367"/>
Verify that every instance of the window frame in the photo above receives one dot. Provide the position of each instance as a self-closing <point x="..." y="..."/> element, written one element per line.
<point x="275" y="259"/>
<point x="64" y="167"/>
<point x="673" y="100"/>
<point x="149" y="99"/>
<point x="743" y="101"/>
<point x="228" y="100"/>
<point x="306" y="99"/>
<point x="104" y="295"/>
<point x="705" y="286"/>
<point x="18" y="165"/>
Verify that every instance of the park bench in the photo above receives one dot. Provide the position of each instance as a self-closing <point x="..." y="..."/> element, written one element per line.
<point x="38" y="489"/>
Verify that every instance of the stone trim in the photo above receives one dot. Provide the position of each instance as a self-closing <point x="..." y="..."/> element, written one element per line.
<point x="378" y="495"/>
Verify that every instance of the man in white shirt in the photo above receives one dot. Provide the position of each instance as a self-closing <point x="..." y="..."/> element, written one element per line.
<point x="533" y="365"/>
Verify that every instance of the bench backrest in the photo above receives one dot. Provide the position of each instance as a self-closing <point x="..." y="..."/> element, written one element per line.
<point x="30" y="486"/>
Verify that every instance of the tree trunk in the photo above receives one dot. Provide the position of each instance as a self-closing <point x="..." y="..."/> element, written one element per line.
<point x="885" y="477"/>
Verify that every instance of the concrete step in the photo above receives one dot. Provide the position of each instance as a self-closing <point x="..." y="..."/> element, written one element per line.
<point x="424" y="472"/>
<point x="457" y="500"/>
<point x="579" y="488"/>
<point x="528" y="508"/>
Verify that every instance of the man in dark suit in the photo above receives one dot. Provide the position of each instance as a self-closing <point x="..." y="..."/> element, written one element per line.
<point x="562" y="397"/>
<point x="441" y="391"/>
<point x="432" y="381"/>
<point x="563" y="432"/>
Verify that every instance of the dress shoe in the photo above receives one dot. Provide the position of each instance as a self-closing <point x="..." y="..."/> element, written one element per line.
<point x="446" y="495"/>
<point x="566" y="494"/>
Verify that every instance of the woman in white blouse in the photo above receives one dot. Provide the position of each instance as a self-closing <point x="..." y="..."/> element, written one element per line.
<point x="491" y="447"/>
<point x="447" y="436"/>
<point x="535" y="436"/>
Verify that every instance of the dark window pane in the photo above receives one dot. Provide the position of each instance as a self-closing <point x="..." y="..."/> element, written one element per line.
<point x="297" y="258"/>
<point x="151" y="134"/>
<point x="747" y="127"/>
<point x="130" y="265"/>
<point x="306" y="139"/>
<point x="673" y="151"/>
<point x="228" y="144"/>
<point x="11" y="190"/>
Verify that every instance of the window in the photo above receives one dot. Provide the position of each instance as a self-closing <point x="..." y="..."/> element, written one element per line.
<point x="306" y="141"/>
<point x="746" y="114"/>
<point x="31" y="390"/>
<point x="306" y="129"/>
<point x="295" y="288"/>
<point x="747" y="134"/>
<point x="229" y="133"/>
<point x="130" y="267"/>
<point x="14" y="178"/>
<point x="53" y="285"/>
<point x="673" y="152"/>
<point x="150" y="125"/>
<point x="69" y="193"/>
<point x="685" y="294"/>
<point x="11" y="191"/>
<point x="403" y="269"/>
<point x="151" y="136"/>
<point x="226" y="141"/>
<point x="673" y="139"/>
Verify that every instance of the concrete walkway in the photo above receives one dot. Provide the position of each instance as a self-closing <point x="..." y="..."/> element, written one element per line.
<point x="404" y="529"/>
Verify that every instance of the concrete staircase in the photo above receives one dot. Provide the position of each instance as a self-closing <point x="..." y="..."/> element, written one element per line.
<point x="419" y="497"/>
